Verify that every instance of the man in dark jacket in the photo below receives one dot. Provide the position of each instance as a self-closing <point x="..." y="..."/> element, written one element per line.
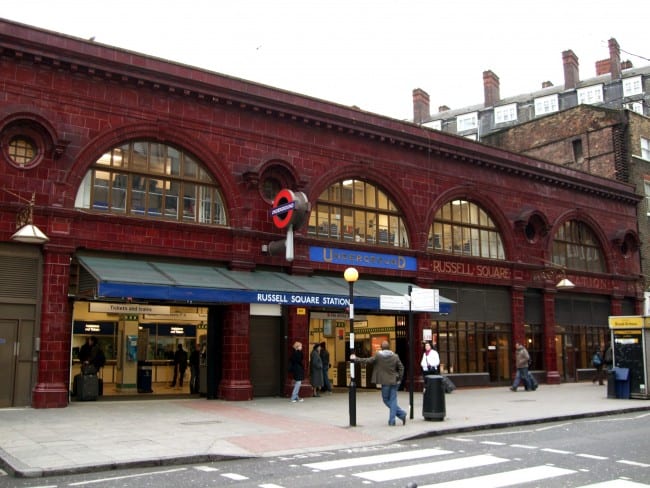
<point x="180" y="365"/>
<point x="195" y="363"/>
<point x="388" y="371"/>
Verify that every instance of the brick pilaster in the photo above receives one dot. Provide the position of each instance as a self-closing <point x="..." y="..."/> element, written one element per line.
<point x="52" y="389"/>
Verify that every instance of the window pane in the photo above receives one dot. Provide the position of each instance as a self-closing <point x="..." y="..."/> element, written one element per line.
<point x="139" y="156"/>
<point x="100" y="190"/>
<point x="172" y="191"/>
<point x="119" y="187"/>
<point x="157" y="158"/>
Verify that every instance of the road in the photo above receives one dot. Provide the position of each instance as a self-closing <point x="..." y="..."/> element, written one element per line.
<point x="597" y="452"/>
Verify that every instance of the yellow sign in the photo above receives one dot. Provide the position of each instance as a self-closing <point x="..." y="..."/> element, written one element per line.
<point x="301" y="311"/>
<point x="629" y="322"/>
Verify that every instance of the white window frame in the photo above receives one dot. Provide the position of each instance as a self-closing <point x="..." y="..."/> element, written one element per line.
<point x="632" y="86"/>
<point x="645" y="148"/>
<point x="634" y="107"/>
<point x="646" y="187"/>
<point x="546" y="105"/>
<point x="434" y="124"/>
<point x="590" y="94"/>
<point x="505" y="113"/>
<point x="467" y="121"/>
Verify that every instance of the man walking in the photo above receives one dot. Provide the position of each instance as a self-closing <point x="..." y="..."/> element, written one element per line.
<point x="522" y="358"/>
<point x="388" y="371"/>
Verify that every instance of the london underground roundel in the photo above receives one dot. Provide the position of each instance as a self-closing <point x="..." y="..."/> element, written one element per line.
<point x="289" y="208"/>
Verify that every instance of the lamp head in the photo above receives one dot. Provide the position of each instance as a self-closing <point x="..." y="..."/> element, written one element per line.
<point x="351" y="275"/>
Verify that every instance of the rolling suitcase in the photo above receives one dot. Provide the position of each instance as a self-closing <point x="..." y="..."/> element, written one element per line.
<point x="87" y="387"/>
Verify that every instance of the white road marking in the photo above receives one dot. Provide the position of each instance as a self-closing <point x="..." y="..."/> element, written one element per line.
<point x="556" y="451"/>
<point x="492" y="443"/>
<point x="616" y="484"/>
<point x="460" y="439"/>
<point x="592" y="456"/>
<point x="523" y="446"/>
<point x="430" y="468"/>
<point x="234" y="476"/>
<point x="206" y="468"/>
<point x="507" y="478"/>
<point x="270" y="485"/>
<point x="379" y="458"/>
<point x="139" y="475"/>
<point x="633" y="463"/>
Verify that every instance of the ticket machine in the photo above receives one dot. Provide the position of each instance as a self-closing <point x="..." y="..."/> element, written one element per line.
<point x="630" y="347"/>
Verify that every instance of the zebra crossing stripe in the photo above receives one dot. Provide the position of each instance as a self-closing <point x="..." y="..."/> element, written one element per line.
<point x="507" y="478"/>
<point x="430" y="468"/>
<point x="616" y="484"/>
<point x="380" y="458"/>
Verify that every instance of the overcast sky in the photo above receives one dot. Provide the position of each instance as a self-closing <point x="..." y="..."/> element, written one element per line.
<point x="368" y="53"/>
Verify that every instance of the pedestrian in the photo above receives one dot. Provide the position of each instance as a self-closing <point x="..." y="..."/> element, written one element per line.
<point x="84" y="351"/>
<point x="96" y="359"/>
<point x="180" y="365"/>
<point x="430" y="360"/>
<point x="608" y="359"/>
<point x="388" y="371"/>
<point x="522" y="359"/>
<point x="316" y="369"/>
<point x="325" y="359"/>
<point x="597" y="362"/>
<point x="297" y="370"/>
<point x="195" y="362"/>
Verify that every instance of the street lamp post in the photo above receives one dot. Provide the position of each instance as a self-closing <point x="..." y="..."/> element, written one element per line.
<point x="351" y="275"/>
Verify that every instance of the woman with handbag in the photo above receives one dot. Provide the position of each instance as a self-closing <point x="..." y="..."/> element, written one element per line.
<point x="430" y="360"/>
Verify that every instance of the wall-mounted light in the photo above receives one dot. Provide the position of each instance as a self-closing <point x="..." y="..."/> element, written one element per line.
<point x="557" y="273"/>
<point x="27" y="232"/>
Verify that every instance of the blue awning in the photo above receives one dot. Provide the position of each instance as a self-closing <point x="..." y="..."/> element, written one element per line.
<point x="108" y="277"/>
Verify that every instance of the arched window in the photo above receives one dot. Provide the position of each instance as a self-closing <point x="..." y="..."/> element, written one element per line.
<point x="356" y="211"/>
<point x="153" y="180"/>
<point x="575" y="246"/>
<point x="462" y="227"/>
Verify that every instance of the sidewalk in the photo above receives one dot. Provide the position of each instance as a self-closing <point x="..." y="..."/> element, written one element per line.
<point x="106" y="434"/>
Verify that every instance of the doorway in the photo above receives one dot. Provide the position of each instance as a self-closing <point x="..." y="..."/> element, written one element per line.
<point x="266" y="358"/>
<point x="16" y="362"/>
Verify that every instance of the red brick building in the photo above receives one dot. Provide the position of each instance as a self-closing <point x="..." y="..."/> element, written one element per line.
<point x="154" y="183"/>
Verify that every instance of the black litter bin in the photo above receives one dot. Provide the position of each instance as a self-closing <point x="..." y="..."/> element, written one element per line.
<point x="144" y="377"/>
<point x="622" y="382"/>
<point x="611" y="383"/>
<point x="433" y="401"/>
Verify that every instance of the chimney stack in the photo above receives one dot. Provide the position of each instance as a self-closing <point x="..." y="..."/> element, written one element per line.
<point x="547" y="84"/>
<point x="571" y="74"/>
<point x="443" y="108"/>
<point x="420" y="106"/>
<point x="490" y="88"/>
<point x="614" y="59"/>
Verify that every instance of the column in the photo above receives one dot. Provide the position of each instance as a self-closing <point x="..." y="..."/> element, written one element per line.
<point x="52" y="387"/>
<point x="235" y="381"/>
<point x="298" y="330"/>
<point x="127" y="368"/>
<point x="550" y="352"/>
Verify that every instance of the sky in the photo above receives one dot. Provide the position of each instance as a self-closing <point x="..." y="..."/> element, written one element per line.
<point x="366" y="53"/>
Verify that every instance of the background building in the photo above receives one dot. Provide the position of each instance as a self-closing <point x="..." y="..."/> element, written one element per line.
<point x="154" y="183"/>
<point x="617" y="84"/>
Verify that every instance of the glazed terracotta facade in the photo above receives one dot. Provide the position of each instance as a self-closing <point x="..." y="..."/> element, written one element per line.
<point x="78" y="99"/>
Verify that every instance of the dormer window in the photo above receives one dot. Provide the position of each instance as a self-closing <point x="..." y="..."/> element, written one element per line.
<point x="590" y="94"/>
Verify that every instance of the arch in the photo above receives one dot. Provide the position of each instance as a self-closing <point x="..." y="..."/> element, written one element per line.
<point x="484" y="202"/>
<point x="592" y="225"/>
<point x="397" y="232"/>
<point x="161" y="133"/>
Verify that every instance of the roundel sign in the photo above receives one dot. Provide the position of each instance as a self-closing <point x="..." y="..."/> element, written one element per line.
<point x="289" y="208"/>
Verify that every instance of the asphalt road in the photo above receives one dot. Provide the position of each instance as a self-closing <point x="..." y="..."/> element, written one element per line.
<point x="612" y="451"/>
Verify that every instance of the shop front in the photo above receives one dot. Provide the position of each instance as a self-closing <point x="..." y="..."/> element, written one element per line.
<point x="141" y="309"/>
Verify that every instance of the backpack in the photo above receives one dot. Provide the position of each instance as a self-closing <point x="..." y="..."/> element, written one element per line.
<point x="596" y="360"/>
